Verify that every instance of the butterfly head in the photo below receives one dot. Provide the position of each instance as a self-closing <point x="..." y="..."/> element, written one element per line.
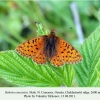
<point x="52" y="32"/>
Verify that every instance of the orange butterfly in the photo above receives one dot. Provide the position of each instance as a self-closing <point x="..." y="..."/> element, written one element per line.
<point x="51" y="47"/>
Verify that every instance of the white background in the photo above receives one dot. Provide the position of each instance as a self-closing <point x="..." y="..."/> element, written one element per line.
<point x="93" y="93"/>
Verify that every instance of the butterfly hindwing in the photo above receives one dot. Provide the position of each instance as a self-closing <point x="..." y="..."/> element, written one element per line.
<point x="57" y="61"/>
<point x="40" y="58"/>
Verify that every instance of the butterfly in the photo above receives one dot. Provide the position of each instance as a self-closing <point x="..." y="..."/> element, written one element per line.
<point x="49" y="47"/>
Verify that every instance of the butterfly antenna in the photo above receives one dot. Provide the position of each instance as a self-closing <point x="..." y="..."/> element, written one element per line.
<point x="64" y="29"/>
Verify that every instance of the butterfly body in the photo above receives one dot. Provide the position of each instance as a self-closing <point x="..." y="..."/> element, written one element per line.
<point x="50" y="47"/>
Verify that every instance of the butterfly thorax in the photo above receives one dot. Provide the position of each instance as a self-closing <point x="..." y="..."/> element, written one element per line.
<point x="50" y="47"/>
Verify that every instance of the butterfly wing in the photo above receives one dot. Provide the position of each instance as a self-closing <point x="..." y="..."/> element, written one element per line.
<point x="57" y="61"/>
<point x="39" y="58"/>
<point x="33" y="49"/>
<point x="66" y="54"/>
